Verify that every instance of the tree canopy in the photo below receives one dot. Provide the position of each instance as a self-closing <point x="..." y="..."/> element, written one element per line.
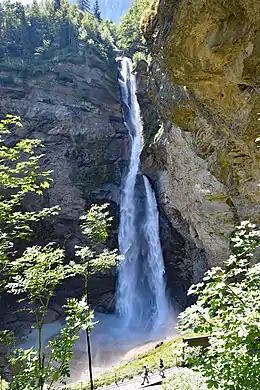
<point x="53" y="30"/>
<point x="130" y="37"/>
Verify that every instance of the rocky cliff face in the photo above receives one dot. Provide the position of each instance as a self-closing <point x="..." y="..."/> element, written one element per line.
<point x="204" y="80"/>
<point x="75" y="110"/>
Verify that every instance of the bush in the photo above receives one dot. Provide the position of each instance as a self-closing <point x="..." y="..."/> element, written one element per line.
<point x="139" y="56"/>
<point x="185" y="379"/>
<point x="228" y="309"/>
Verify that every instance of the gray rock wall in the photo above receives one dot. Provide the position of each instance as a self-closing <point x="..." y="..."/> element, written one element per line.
<point x="197" y="215"/>
<point x="75" y="110"/>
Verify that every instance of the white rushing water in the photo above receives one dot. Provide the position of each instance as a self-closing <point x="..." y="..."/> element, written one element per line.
<point x="141" y="297"/>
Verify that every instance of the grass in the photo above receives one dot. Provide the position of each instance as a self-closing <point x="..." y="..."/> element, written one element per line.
<point x="170" y="352"/>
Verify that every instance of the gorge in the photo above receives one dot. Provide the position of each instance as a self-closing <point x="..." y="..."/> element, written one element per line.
<point x="169" y="139"/>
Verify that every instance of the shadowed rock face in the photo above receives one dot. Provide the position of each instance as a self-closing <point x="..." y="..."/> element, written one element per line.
<point x="204" y="80"/>
<point x="75" y="110"/>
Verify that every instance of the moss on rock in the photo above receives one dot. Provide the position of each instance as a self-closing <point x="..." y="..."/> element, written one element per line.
<point x="212" y="49"/>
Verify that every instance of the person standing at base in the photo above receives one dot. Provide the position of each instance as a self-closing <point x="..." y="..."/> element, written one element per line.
<point x="145" y="375"/>
<point x="161" y="369"/>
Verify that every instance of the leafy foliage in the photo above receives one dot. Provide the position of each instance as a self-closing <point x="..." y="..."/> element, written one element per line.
<point x="20" y="174"/>
<point x="37" y="368"/>
<point x="141" y="56"/>
<point x="228" y="308"/>
<point x="34" y="276"/>
<point x="93" y="258"/>
<point x="37" y="273"/>
<point x="96" y="222"/>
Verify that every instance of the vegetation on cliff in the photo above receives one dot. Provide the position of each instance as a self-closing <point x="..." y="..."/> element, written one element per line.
<point x="34" y="37"/>
<point x="130" y="38"/>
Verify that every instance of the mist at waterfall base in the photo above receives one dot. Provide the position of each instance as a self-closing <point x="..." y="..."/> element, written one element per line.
<point x="143" y="312"/>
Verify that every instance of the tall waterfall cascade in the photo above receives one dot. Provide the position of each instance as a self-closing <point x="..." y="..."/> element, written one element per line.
<point x="143" y="312"/>
<point x="141" y="297"/>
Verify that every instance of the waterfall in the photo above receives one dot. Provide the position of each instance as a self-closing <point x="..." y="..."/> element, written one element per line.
<point x="141" y="299"/>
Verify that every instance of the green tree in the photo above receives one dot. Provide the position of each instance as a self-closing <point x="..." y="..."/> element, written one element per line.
<point x="228" y="309"/>
<point x="38" y="271"/>
<point x="130" y="38"/>
<point x="20" y="174"/>
<point x="109" y="32"/>
<point x="57" y="5"/>
<point x="84" y="5"/>
<point x="33" y="35"/>
<point x="95" y="259"/>
<point x="96" y="10"/>
<point x="34" y="276"/>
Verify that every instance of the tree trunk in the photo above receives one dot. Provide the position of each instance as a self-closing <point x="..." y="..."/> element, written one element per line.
<point x="87" y="333"/>
<point x="40" y="361"/>
<point x="89" y="361"/>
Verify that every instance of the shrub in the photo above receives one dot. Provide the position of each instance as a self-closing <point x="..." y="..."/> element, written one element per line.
<point x="228" y="309"/>
<point x="185" y="379"/>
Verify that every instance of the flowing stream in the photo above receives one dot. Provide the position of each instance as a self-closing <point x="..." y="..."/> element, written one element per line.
<point x="141" y="298"/>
